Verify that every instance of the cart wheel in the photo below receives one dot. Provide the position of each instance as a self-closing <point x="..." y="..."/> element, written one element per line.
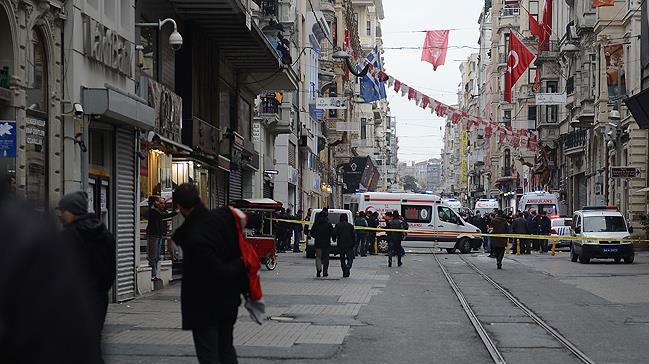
<point x="271" y="261"/>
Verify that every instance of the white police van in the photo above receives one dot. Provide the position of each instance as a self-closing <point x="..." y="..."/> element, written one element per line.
<point x="601" y="222"/>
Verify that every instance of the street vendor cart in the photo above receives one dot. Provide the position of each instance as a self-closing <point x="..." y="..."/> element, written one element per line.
<point x="259" y="230"/>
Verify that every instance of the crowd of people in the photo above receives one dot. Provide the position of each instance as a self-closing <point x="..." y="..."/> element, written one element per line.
<point x="519" y="223"/>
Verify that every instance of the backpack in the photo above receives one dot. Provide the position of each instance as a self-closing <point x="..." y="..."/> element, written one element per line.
<point x="404" y="226"/>
<point x="248" y="256"/>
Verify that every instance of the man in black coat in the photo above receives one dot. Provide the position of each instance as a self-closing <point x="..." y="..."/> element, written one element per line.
<point x="545" y="227"/>
<point x="213" y="276"/>
<point x="46" y="316"/>
<point x="345" y="236"/>
<point x="96" y="248"/>
<point x="519" y="226"/>
<point x="322" y="231"/>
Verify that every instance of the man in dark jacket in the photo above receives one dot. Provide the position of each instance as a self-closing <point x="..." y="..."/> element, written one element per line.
<point x="322" y="231"/>
<point x="533" y="228"/>
<point x="96" y="248"/>
<point x="283" y="231"/>
<point x="500" y="226"/>
<point x="213" y="276"/>
<point x="373" y="222"/>
<point x="156" y="229"/>
<point x="46" y="312"/>
<point x="345" y="236"/>
<point x="396" y="237"/>
<point x="297" y="231"/>
<point x="361" y="235"/>
<point x="520" y="227"/>
<point x="545" y="227"/>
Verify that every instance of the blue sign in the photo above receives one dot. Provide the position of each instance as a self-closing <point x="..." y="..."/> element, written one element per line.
<point x="7" y="139"/>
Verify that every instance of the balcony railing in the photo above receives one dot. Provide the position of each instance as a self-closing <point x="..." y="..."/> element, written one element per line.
<point x="510" y="11"/>
<point x="575" y="140"/>
<point x="269" y="105"/>
<point x="269" y="7"/>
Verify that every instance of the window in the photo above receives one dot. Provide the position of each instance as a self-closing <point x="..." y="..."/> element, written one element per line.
<point x="417" y="214"/>
<point x="363" y="128"/>
<point x="531" y="113"/>
<point x="147" y="56"/>
<point x="604" y="224"/>
<point x="507" y="163"/>
<point x="507" y="117"/>
<point x="368" y="28"/>
<point x="356" y="20"/>
<point x="446" y="214"/>
<point x="551" y="111"/>
<point x="292" y="160"/>
<point x="506" y="35"/>
<point x="534" y="9"/>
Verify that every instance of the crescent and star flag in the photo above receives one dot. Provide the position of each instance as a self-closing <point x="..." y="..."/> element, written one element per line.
<point x="598" y="3"/>
<point x="518" y="59"/>
<point x="372" y="89"/>
<point x="435" y="47"/>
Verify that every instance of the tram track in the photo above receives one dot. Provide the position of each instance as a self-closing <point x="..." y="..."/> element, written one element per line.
<point x="490" y="344"/>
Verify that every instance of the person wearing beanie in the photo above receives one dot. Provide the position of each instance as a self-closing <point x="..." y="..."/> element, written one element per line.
<point x="96" y="248"/>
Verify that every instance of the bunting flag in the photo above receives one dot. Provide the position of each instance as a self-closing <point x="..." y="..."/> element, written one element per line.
<point x="518" y="59"/>
<point x="598" y="3"/>
<point x="435" y="47"/>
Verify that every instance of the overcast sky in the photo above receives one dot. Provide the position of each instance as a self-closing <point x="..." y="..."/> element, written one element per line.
<point x="420" y="137"/>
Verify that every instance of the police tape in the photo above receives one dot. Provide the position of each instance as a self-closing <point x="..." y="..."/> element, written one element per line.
<point x="477" y="234"/>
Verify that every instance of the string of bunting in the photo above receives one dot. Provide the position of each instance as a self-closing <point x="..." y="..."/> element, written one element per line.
<point x="516" y="138"/>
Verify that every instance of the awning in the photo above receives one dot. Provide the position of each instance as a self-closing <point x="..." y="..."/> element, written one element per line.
<point x="117" y="106"/>
<point x="157" y="138"/>
<point x="240" y="41"/>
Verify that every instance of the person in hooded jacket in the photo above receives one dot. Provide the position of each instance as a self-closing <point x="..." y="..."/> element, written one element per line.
<point x="345" y="236"/>
<point x="322" y="231"/>
<point x="96" y="248"/>
<point x="156" y="229"/>
<point x="214" y="276"/>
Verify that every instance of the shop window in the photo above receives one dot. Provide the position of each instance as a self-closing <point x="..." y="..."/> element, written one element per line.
<point x="37" y="76"/>
<point x="148" y="61"/>
<point x="363" y="128"/>
<point x="292" y="160"/>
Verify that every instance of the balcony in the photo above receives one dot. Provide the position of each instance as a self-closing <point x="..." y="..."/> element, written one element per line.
<point x="509" y="17"/>
<point x="524" y="124"/>
<point x="549" y="53"/>
<point x="575" y="142"/>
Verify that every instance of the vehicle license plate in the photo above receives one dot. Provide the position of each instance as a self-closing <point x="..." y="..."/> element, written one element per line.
<point x="609" y="250"/>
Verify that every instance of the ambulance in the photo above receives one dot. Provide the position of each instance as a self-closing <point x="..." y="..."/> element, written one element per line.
<point x="540" y="201"/>
<point x="486" y="206"/>
<point x="424" y="213"/>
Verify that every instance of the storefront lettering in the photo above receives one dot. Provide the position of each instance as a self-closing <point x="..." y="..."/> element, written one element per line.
<point x="104" y="45"/>
<point x="35" y="131"/>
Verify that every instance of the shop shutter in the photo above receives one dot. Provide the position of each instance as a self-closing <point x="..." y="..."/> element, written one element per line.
<point x="125" y="200"/>
<point x="221" y="188"/>
<point x="268" y="189"/>
<point x="236" y="185"/>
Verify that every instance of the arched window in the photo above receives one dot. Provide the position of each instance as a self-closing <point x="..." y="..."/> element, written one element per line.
<point x="36" y="128"/>
<point x="507" y="163"/>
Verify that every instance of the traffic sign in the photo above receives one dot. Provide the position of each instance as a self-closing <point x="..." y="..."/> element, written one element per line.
<point x="625" y="172"/>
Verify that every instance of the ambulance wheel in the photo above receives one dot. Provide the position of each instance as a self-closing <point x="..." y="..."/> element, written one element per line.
<point x="629" y="259"/>
<point x="583" y="259"/>
<point x="464" y="245"/>
<point x="382" y="245"/>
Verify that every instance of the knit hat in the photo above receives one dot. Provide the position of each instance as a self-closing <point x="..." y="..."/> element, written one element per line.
<point x="76" y="203"/>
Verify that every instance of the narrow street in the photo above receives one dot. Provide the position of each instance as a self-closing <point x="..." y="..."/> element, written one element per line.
<point x="411" y="314"/>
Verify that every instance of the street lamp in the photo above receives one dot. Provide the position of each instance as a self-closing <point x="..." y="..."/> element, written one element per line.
<point x="342" y="55"/>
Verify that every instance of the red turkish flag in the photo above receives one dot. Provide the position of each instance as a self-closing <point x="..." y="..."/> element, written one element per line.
<point x="535" y="28"/>
<point x="435" y="47"/>
<point x="547" y="25"/>
<point x="598" y="3"/>
<point x="518" y="59"/>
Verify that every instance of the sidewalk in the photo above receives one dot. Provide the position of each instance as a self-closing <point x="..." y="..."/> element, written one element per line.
<point x="307" y="318"/>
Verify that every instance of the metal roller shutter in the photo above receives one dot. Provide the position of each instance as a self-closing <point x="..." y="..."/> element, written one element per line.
<point x="268" y="189"/>
<point x="125" y="214"/>
<point x="221" y="188"/>
<point x="236" y="185"/>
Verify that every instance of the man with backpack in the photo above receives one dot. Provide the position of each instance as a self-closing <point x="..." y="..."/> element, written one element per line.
<point x="214" y="275"/>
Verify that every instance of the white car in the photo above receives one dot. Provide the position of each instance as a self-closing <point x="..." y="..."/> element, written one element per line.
<point x="561" y="227"/>
<point x="604" y="223"/>
<point x="334" y="218"/>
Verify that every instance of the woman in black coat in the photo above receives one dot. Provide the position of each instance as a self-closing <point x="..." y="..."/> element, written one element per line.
<point x="345" y="237"/>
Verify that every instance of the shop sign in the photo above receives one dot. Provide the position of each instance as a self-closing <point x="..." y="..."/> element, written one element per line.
<point x="551" y="99"/>
<point x="35" y="131"/>
<point x="168" y="110"/>
<point x="331" y="103"/>
<point x="256" y="131"/>
<point x="107" y="47"/>
<point x="7" y="139"/>
<point x="625" y="172"/>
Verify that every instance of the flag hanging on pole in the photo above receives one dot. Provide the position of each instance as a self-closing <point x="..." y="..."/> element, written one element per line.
<point x="546" y="25"/>
<point x="598" y="3"/>
<point x="372" y="89"/>
<point x="435" y="47"/>
<point x="518" y="59"/>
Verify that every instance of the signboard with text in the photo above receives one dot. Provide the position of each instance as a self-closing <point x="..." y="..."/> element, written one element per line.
<point x="331" y="103"/>
<point x="551" y="99"/>
<point x="625" y="172"/>
<point x="7" y="139"/>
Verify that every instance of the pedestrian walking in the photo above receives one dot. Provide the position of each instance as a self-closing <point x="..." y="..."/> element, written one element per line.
<point x="156" y="229"/>
<point x="213" y="276"/>
<point x="372" y="222"/>
<point x="297" y="231"/>
<point x="360" y="248"/>
<point x="396" y="237"/>
<point x="520" y="227"/>
<point x="545" y="227"/>
<point x="96" y="248"/>
<point x="47" y="314"/>
<point x="345" y="237"/>
<point x="500" y="226"/>
<point x="322" y="231"/>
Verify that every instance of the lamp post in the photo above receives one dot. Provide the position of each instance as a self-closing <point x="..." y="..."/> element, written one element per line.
<point x="342" y="55"/>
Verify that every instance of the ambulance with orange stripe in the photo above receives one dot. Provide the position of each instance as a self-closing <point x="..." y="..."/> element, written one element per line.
<point x="424" y="214"/>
